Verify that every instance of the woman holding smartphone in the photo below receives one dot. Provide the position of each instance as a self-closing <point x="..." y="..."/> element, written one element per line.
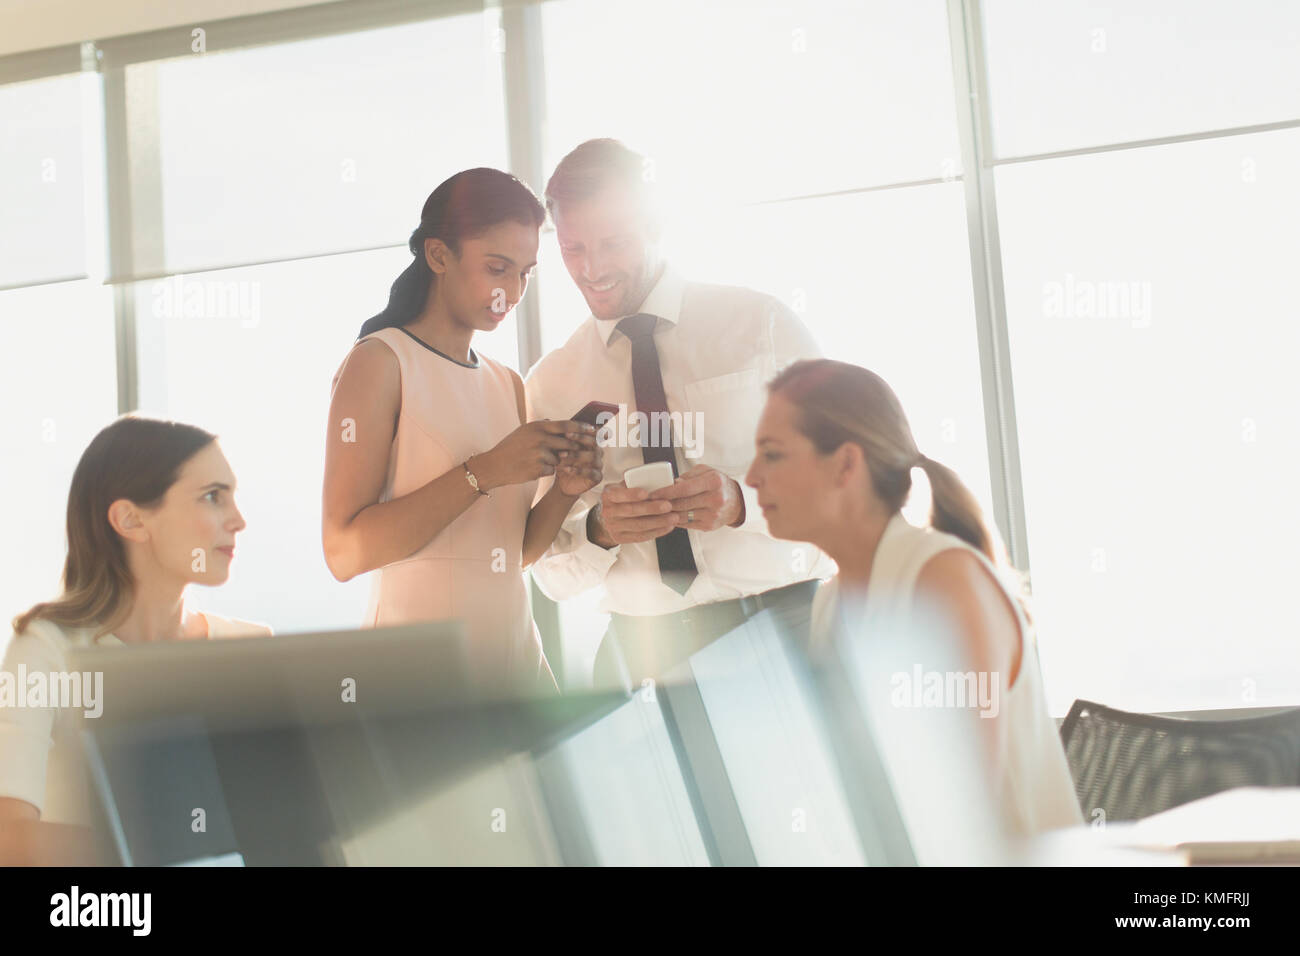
<point x="430" y="467"/>
<point x="151" y="510"/>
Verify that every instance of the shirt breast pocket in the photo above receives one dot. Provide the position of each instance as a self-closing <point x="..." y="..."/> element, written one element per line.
<point x="723" y="412"/>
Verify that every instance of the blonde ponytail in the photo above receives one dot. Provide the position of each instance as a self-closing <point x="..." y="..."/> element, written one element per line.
<point x="953" y="509"/>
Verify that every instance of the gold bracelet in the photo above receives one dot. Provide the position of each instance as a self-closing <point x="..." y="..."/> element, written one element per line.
<point x="473" y="480"/>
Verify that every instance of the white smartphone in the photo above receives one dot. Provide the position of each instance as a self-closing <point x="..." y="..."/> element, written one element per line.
<point x="657" y="474"/>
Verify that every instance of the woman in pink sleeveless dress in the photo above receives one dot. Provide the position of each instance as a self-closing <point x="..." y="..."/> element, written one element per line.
<point x="430" y="468"/>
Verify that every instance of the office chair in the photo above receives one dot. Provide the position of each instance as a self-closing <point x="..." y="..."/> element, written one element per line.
<point x="1133" y="765"/>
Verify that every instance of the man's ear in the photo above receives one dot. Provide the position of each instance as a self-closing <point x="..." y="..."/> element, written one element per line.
<point x="435" y="255"/>
<point x="126" y="520"/>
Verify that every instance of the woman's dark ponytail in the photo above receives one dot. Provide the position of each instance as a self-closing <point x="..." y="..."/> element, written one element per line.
<point x="408" y="293"/>
<point x="462" y="207"/>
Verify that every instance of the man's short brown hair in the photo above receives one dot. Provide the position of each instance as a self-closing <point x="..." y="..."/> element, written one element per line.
<point x="593" y="165"/>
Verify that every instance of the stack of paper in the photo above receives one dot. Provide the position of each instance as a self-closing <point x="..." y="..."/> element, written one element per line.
<point x="1245" y="825"/>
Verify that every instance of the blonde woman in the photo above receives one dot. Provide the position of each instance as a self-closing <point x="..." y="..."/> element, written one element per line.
<point x="151" y="510"/>
<point x="834" y="468"/>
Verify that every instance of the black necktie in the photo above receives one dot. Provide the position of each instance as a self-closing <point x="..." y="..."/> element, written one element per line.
<point x="676" y="562"/>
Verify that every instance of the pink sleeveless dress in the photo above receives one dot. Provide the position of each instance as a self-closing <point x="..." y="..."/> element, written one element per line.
<point x="472" y="570"/>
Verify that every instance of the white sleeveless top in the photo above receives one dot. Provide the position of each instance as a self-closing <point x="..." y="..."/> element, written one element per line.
<point x="40" y="762"/>
<point x="473" y="569"/>
<point x="1035" y="790"/>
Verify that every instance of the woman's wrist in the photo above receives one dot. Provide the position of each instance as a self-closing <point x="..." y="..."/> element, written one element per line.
<point x="560" y="495"/>
<point x="481" y="466"/>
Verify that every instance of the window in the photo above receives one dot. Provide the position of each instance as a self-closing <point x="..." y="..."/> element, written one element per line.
<point x="882" y="279"/>
<point x="321" y="145"/>
<point x="42" y="171"/>
<point x="58" y="375"/>
<point x="250" y="355"/>
<point x="1087" y="73"/>
<point x="58" y="386"/>
<point x="1150" y="307"/>
<point x="755" y="100"/>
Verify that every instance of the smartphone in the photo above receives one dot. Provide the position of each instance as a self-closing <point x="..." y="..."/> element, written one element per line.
<point x="593" y="409"/>
<point x="651" y="477"/>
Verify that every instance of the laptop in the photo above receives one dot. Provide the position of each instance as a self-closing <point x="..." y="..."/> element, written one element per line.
<point x="195" y="738"/>
<point x="245" y="752"/>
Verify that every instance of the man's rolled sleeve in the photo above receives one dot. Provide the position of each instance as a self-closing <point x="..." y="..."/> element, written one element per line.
<point x="574" y="563"/>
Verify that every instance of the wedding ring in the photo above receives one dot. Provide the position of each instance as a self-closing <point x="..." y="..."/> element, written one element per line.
<point x="690" y="515"/>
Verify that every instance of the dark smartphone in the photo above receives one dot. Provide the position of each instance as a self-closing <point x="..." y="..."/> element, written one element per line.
<point x="591" y="410"/>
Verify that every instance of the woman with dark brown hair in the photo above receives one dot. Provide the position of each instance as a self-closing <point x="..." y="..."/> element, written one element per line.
<point x="834" y="467"/>
<point x="430" y="462"/>
<point x="151" y="510"/>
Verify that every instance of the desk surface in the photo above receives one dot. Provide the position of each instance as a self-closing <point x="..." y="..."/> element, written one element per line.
<point x="1243" y="826"/>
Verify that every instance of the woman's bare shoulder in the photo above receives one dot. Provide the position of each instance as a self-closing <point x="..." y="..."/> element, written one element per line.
<point x="961" y="586"/>
<point x="370" y="361"/>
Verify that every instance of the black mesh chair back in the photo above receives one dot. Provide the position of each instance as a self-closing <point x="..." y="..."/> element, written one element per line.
<point x="1133" y="765"/>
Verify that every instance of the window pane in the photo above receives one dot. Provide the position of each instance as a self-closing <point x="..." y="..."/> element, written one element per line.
<point x="563" y="308"/>
<point x="42" y="193"/>
<point x="756" y="99"/>
<point x="250" y="354"/>
<point x="321" y="145"/>
<point x="1150" y="300"/>
<point x="58" y="388"/>
<point x="883" y="280"/>
<point x="1085" y="73"/>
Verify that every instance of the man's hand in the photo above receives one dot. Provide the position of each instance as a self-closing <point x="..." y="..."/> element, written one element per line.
<point x="714" y="499"/>
<point x="625" y="515"/>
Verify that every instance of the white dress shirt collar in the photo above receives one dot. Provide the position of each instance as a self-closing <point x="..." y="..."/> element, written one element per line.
<point x="664" y="301"/>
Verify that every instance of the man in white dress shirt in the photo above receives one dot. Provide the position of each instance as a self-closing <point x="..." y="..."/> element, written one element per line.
<point x="682" y="566"/>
